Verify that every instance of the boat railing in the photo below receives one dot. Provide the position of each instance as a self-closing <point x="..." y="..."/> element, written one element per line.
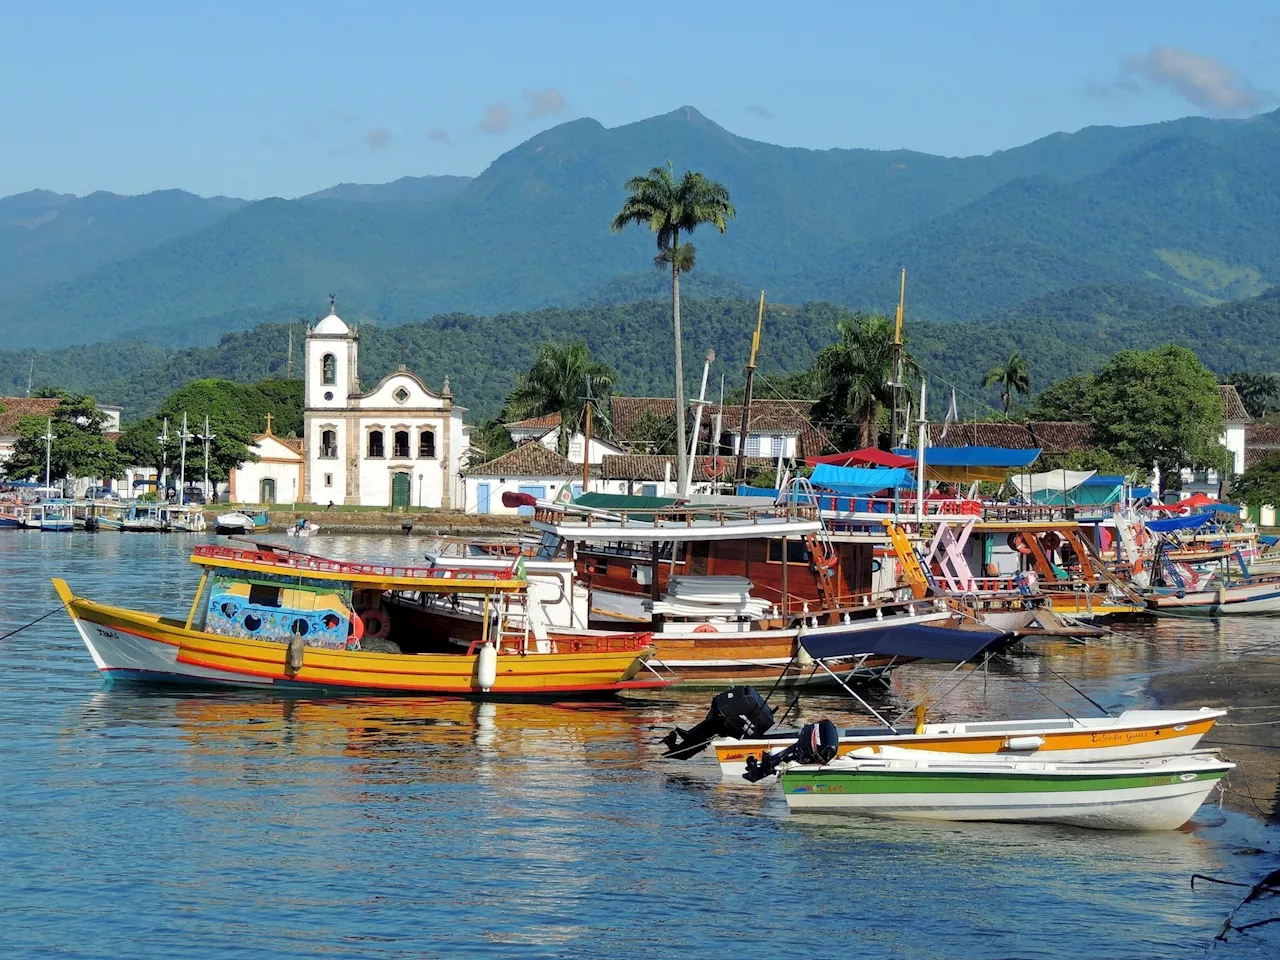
<point x="676" y="517"/>
<point x="609" y="643"/>
<point x="341" y="569"/>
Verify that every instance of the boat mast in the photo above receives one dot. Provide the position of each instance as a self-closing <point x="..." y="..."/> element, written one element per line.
<point x="586" y="442"/>
<point x="740" y="468"/>
<point x="896" y="383"/>
<point x="183" y="437"/>
<point x="697" y="419"/>
<point x="48" y="453"/>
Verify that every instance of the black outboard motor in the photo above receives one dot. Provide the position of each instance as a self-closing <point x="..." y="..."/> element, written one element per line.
<point x="818" y="743"/>
<point x="738" y="712"/>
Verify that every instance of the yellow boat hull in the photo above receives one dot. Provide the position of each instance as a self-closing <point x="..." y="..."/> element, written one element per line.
<point x="131" y="645"/>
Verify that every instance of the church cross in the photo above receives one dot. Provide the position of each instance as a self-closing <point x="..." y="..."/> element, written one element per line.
<point x="268" y="423"/>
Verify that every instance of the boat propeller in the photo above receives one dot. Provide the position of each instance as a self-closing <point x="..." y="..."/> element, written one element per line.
<point x="738" y="712"/>
<point x="818" y="743"/>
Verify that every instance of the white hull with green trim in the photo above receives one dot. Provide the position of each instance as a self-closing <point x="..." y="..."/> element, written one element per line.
<point x="1157" y="794"/>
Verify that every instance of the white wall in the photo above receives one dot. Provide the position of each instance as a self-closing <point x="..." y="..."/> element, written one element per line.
<point x="500" y="485"/>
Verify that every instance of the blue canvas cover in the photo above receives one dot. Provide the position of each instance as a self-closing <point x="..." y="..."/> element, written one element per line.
<point x="1180" y="523"/>
<point x="974" y="457"/>
<point x="917" y="640"/>
<point x="859" y="481"/>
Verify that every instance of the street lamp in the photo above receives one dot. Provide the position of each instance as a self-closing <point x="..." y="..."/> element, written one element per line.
<point x="206" y="438"/>
<point x="420" y="479"/>
<point x="184" y="436"/>
<point x="48" y="454"/>
<point x="163" y="440"/>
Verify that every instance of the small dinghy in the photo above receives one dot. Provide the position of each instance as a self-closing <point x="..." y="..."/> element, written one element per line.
<point x="1156" y="794"/>
<point x="238" y="523"/>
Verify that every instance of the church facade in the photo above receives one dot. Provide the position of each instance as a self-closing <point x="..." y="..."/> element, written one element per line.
<point x="398" y="445"/>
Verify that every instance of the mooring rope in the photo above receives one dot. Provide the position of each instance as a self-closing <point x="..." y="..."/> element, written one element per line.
<point x="57" y="609"/>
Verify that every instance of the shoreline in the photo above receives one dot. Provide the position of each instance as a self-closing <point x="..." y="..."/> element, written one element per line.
<point x="1248" y="736"/>
<point x="423" y="522"/>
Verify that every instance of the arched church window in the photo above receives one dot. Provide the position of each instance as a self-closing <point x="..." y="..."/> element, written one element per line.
<point x="329" y="369"/>
<point x="427" y="445"/>
<point x="329" y="444"/>
<point x="401" y="443"/>
<point x="375" y="444"/>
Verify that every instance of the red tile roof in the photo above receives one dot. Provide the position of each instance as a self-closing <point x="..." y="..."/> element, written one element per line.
<point x="547" y="421"/>
<point x="1260" y="441"/>
<point x="784" y="417"/>
<point x="527" y="460"/>
<point x="634" y="466"/>
<point x="15" y="408"/>
<point x="1236" y="412"/>
<point x="1051" y="436"/>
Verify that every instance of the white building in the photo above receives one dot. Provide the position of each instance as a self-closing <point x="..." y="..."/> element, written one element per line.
<point x="530" y="468"/>
<point x="1234" y="438"/>
<point x="277" y="476"/>
<point x="545" y="430"/>
<point x="397" y="445"/>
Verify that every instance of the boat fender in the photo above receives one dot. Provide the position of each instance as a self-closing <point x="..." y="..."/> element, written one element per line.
<point x="705" y="628"/>
<point x="1024" y="743"/>
<point x="804" y="659"/>
<point x="487" y="667"/>
<point x="293" y="658"/>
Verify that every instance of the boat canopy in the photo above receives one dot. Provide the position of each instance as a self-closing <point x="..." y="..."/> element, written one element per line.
<point x="621" y="501"/>
<point x="866" y="457"/>
<point x="916" y="640"/>
<point x="1180" y="523"/>
<point x="966" y="464"/>
<point x="1031" y="484"/>
<point x="859" y="481"/>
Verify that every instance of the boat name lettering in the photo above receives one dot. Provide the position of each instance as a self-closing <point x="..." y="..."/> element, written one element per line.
<point x="107" y="634"/>
<point x="1123" y="736"/>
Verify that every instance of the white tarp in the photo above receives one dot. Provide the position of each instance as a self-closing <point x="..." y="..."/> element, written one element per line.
<point x="1061" y="481"/>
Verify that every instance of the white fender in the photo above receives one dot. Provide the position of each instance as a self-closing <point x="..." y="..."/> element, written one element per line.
<point x="487" y="667"/>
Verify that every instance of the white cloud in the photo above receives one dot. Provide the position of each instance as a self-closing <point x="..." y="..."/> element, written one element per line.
<point x="544" y="102"/>
<point x="497" y="117"/>
<point x="1202" y="81"/>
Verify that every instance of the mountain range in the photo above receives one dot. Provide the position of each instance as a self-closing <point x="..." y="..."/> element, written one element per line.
<point x="1182" y="211"/>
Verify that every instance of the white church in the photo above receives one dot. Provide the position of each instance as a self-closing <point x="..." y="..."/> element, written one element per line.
<point x="398" y="445"/>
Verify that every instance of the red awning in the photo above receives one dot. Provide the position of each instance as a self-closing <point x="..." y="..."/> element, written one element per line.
<point x="869" y="457"/>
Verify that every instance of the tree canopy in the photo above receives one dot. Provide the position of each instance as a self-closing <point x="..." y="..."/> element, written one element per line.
<point x="1012" y="377"/>
<point x="79" y="448"/>
<point x="1258" y="391"/>
<point x="1159" y="408"/>
<point x="559" y="382"/>
<point x="1260" y="484"/>
<point x="852" y="379"/>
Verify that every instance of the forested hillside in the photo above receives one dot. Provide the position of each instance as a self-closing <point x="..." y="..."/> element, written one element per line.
<point x="1059" y="335"/>
<point x="1186" y="209"/>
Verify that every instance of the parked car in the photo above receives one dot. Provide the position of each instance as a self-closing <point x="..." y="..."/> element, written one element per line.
<point x="100" y="493"/>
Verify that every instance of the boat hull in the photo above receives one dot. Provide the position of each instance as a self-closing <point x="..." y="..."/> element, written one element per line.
<point x="1134" y="735"/>
<point x="1158" y="795"/>
<point x="1249" y="599"/>
<point x="129" y="645"/>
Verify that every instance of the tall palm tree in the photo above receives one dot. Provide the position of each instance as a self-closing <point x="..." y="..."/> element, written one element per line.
<point x="558" y="382"/>
<point x="1258" y="391"/>
<point x="670" y="207"/>
<point x="853" y="377"/>
<point x="1012" y="377"/>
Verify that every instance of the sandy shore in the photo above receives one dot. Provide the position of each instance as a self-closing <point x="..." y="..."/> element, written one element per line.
<point x="1249" y="736"/>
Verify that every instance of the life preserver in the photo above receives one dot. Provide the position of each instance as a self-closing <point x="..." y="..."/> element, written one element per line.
<point x="376" y="623"/>
<point x="824" y="562"/>
<point x="1050" y="542"/>
<point x="357" y="627"/>
<point x="713" y="466"/>
<point x="1018" y="542"/>
<point x="705" y="628"/>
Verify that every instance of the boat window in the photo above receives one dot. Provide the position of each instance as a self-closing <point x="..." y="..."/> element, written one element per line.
<point x="797" y="552"/>
<point x="299" y="627"/>
<point x="261" y="595"/>
<point x="400" y="443"/>
<point x="329" y="369"/>
<point x="329" y="444"/>
<point x="252" y="623"/>
<point x="375" y="443"/>
<point x="427" y="445"/>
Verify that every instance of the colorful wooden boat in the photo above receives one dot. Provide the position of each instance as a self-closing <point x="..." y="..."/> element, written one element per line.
<point x="1133" y="735"/>
<point x="274" y="619"/>
<point x="143" y="518"/>
<point x="1254" y="595"/>
<point x="52" y="517"/>
<point x="1155" y="794"/>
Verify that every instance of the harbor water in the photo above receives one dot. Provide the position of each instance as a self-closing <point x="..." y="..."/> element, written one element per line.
<point x="147" y="822"/>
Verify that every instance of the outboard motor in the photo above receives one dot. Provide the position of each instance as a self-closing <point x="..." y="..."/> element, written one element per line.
<point x="818" y="743"/>
<point x="738" y="712"/>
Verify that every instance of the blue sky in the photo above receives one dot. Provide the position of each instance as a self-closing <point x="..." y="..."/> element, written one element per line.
<point x="282" y="98"/>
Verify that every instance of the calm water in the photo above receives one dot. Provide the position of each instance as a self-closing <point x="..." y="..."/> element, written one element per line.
<point x="145" y="823"/>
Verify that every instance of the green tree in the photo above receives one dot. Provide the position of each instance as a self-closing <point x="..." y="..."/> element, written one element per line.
<point x="1064" y="400"/>
<point x="1260" y="484"/>
<point x="236" y="411"/>
<point x="668" y="208"/>
<point x="1159" y="408"/>
<point x="80" y="448"/>
<point x="138" y="446"/>
<point x="1012" y="377"/>
<point x="852" y="379"/>
<point x="490" y="439"/>
<point x="558" y="382"/>
<point x="283" y="399"/>
<point x="654" y="434"/>
<point x="1258" y="391"/>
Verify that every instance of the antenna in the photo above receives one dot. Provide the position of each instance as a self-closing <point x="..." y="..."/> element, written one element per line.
<point x="289" y="362"/>
<point x="30" y="371"/>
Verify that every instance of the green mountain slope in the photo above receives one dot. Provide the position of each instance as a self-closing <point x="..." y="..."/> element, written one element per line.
<point x="1186" y="207"/>
<point x="413" y="189"/>
<point x="47" y="237"/>
<point x="1060" y="335"/>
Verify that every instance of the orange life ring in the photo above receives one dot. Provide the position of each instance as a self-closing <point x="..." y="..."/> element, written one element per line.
<point x="1018" y="542"/>
<point x="1050" y="541"/>
<point x="357" y="626"/>
<point x="713" y="466"/>
<point x="705" y="628"/>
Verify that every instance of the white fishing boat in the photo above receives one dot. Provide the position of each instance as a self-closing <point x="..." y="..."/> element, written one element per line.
<point x="1132" y="735"/>
<point x="238" y="522"/>
<point x="143" y="518"/>
<point x="303" y="528"/>
<point x="1156" y="794"/>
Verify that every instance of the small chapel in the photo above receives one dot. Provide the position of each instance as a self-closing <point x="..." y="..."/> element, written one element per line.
<point x="397" y="445"/>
